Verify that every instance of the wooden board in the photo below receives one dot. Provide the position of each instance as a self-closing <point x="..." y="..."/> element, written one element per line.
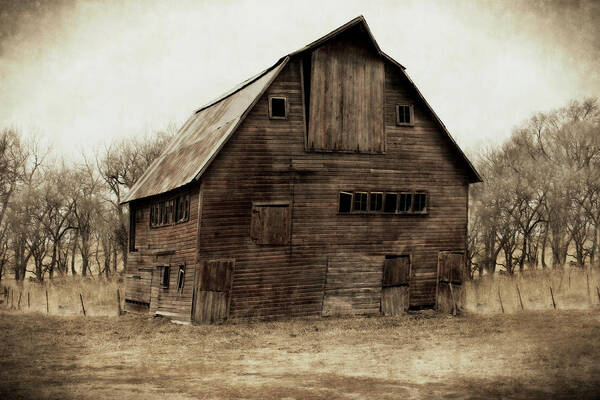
<point x="451" y="267"/>
<point x="353" y="285"/>
<point x="394" y="300"/>
<point x="346" y="96"/>
<point x="212" y="294"/>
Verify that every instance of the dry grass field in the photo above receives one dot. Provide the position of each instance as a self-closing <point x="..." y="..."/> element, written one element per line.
<point x="530" y="355"/>
<point x="481" y="354"/>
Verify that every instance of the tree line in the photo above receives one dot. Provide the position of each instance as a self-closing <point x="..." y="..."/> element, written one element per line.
<point x="539" y="204"/>
<point x="59" y="217"/>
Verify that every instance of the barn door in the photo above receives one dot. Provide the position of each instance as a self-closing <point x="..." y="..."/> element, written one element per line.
<point x="213" y="287"/>
<point x="451" y="273"/>
<point x="395" y="284"/>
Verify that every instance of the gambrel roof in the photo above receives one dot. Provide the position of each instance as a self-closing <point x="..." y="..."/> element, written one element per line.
<point x="205" y="133"/>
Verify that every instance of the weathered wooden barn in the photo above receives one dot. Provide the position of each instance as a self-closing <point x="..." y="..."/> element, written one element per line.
<point x="325" y="185"/>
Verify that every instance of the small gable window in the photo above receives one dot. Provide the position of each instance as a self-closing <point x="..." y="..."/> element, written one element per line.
<point x="404" y="115"/>
<point x="380" y="202"/>
<point x="360" y="201"/>
<point x="345" y="206"/>
<point x="375" y="202"/>
<point x="277" y="107"/>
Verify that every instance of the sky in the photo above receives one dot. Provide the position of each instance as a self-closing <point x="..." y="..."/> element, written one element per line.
<point x="82" y="73"/>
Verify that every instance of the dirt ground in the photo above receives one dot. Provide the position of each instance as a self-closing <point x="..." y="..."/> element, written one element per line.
<point x="543" y="354"/>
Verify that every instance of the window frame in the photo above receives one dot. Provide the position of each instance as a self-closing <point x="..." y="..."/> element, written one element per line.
<point x="411" y="115"/>
<point x="285" y="107"/>
<point x="160" y="216"/>
<point x="366" y="194"/>
<point x="396" y="194"/>
<point x="181" y="278"/>
<point x="165" y="276"/>
<point x="369" y="203"/>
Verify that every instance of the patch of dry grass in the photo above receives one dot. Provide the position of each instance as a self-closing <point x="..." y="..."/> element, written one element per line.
<point x="569" y="288"/>
<point x="99" y="296"/>
<point x="522" y="356"/>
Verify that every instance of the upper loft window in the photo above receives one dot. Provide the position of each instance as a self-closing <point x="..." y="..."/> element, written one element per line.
<point x="405" y="115"/>
<point x="169" y="212"/>
<point x="277" y="107"/>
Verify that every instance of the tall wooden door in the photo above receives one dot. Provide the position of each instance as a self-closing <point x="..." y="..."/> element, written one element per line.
<point x="395" y="284"/>
<point x="451" y="274"/>
<point x="212" y="291"/>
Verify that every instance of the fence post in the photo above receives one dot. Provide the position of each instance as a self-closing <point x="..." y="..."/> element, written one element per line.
<point x="520" y="300"/>
<point x="119" y="312"/>
<point x="587" y="278"/>
<point x="500" y="297"/>
<point x="47" y="307"/>
<point x="28" y="302"/>
<point x="82" y="307"/>
<point x="552" y="295"/>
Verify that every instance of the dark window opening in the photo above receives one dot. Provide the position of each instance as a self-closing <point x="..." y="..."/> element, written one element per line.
<point x="132" y="221"/>
<point x="164" y="279"/>
<point x="405" y="203"/>
<point x="390" y="202"/>
<point x="404" y="114"/>
<point x="345" y="205"/>
<point x="375" y="202"/>
<point x="277" y="108"/>
<point x="420" y="202"/>
<point x="180" y="277"/>
<point x="360" y="201"/>
<point x="169" y="212"/>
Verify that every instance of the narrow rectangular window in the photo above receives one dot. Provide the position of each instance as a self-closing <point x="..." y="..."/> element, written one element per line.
<point x="345" y="203"/>
<point x="181" y="277"/>
<point x="277" y="107"/>
<point x="405" y="203"/>
<point x="164" y="281"/>
<point x="360" y="202"/>
<point x="390" y="202"/>
<point x="404" y="114"/>
<point x="132" y="221"/>
<point x="375" y="201"/>
<point x="420" y="202"/>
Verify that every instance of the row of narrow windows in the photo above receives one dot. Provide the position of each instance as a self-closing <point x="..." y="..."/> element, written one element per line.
<point x="169" y="212"/>
<point x="382" y="202"/>
<point x="165" y="274"/>
<point x="278" y="109"/>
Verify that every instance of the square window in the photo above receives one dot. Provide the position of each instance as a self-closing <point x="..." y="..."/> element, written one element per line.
<point x="404" y="114"/>
<point x="390" y="202"/>
<point x="420" y="202"/>
<point x="277" y="107"/>
<point x="345" y="203"/>
<point x="375" y="202"/>
<point x="360" y="201"/>
<point x="405" y="203"/>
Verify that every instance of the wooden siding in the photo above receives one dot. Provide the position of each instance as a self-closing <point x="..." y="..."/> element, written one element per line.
<point x="265" y="160"/>
<point x="353" y="285"/>
<point x="172" y="246"/>
<point x="346" y="96"/>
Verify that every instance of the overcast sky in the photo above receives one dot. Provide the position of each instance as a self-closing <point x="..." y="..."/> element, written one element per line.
<point x="83" y="72"/>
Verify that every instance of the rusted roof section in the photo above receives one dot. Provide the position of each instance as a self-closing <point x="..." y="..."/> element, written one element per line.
<point x="200" y="138"/>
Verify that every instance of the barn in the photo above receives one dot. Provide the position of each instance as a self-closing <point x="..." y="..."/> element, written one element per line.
<point x="325" y="185"/>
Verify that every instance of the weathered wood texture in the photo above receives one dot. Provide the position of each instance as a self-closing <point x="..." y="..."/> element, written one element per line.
<point x="266" y="161"/>
<point x="346" y="96"/>
<point x="213" y="291"/>
<point x="353" y="285"/>
<point x="451" y="267"/>
<point x="172" y="246"/>
<point x="394" y="300"/>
